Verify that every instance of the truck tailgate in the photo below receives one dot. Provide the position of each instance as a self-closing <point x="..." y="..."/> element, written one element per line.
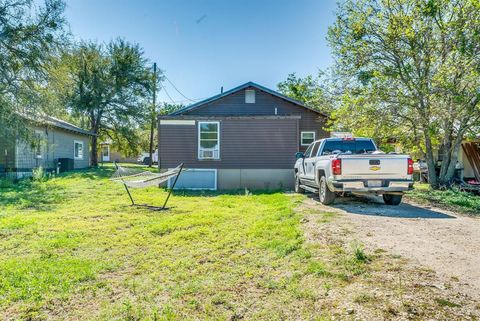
<point x="374" y="166"/>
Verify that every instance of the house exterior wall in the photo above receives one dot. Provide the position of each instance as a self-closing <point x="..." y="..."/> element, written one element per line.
<point x="258" y="141"/>
<point x="7" y="154"/>
<point x="265" y="104"/>
<point x="116" y="156"/>
<point x="55" y="143"/>
<point x="266" y="143"/>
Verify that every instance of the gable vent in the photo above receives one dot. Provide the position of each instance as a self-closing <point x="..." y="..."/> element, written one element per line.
<point x="249" y="96"/>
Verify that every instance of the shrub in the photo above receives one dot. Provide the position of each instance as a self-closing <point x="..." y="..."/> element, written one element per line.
<point x="38" y="174"/>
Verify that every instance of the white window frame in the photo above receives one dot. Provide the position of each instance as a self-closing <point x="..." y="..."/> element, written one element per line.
<point x="214" y="170"/>
<point x="301" y="138"/>
<point x="39" y="134"/>
<point x="83" y="149"/>
<point x="252" y="93"/>
<point x="218" y="139"/>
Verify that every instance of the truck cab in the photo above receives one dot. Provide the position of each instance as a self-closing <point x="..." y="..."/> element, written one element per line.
<point x="335" y="166"/>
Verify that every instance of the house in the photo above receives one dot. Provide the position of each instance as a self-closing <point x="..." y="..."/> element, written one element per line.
<point x="54" y="139"/>
<point x="108" y="153"/>
<point x="246" y="137"/>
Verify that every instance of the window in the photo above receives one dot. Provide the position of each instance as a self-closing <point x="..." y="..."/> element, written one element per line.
<point x="38" y="144"/>
<point x="208" y="140"/>
<point x="349" y="146"/>
<point x="315" y="149"/>
<point x="249" y="96"/>
<point x="307" y="138"/>
<point x="77" y="149"/>
<point x="308" y="151"/>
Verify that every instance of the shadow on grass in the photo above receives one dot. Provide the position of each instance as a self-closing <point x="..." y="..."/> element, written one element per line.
<point x="30" y="195"/>
<point x="43" y="195"/>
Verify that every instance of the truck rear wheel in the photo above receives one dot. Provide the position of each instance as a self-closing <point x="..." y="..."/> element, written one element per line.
<point x="326" y="196"/>
<point x="392" y="199"/>
<point x="298" y="189"/>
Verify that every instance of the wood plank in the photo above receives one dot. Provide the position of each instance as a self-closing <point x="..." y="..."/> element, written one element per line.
<point x="472" y="156"/>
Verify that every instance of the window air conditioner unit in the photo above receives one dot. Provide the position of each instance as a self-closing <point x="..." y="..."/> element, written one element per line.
<point x="206" y="154"/>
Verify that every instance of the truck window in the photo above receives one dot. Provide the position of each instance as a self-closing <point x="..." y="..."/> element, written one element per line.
<point x="315" y="149"/>
<point x="308" y="151"/>
<point x="348" y="146"/>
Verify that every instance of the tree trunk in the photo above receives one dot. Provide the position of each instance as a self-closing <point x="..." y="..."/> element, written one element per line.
<point x="94" y="124"/>
<point x="449" y="172"/>
<point x="432" y="175"/>
<point x="94" y="151"/>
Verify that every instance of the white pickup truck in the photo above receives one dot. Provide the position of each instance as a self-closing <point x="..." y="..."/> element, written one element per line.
<point x="335" y="166"/>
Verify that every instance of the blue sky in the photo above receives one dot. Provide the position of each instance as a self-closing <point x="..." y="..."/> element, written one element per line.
<point x="203" y="45"/>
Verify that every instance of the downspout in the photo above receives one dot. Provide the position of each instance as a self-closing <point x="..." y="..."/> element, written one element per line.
<point x="158" y="145"/>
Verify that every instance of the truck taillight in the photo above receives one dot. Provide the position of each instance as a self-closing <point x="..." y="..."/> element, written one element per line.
<point x="337" y="166"/>
<point x="410" y="167"/>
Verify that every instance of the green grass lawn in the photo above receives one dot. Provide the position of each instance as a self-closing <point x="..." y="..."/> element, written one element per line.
<point x="452" y="199"/>
<point x="73" y="248"/>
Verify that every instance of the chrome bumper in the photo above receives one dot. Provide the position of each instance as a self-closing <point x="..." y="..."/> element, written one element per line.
<point x="362" y="186"/>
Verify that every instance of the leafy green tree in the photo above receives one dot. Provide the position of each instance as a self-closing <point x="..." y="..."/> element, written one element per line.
<point x="110" y="89"/>
<point x="168" y="108"/>
<point x="311" y="91"/>
<point x="410" y="69"/>
<point x="29" y="34"/>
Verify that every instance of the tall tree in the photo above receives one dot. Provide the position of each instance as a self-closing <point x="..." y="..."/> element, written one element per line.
<point x="411" y="67"/>
<point x="111" y="87"/>
<point x="312" y="91"/>
<point x="29" y="34"/>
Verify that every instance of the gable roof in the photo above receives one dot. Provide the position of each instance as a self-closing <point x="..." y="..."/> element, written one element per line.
<point x="43" y="119"/>
<point x="55" y="122"/>
<point x="241" y="87"/>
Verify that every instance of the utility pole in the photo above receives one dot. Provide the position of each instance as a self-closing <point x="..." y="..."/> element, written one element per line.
<point x="153" y="115"/>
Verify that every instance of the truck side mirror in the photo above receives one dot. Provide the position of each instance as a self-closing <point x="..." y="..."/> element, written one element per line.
<point x="299" y="155"/>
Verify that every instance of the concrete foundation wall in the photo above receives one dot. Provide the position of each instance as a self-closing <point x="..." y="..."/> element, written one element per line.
<point x="255" y="179"/>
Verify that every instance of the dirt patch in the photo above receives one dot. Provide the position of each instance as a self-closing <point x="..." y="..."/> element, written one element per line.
<point x="425" y="260"/>
<point x="441" y="240"/>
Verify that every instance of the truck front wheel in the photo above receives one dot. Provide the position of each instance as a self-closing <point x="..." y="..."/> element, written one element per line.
<point x="298" y="189"/>
<point x="326" y="196"/>
<point x="392" y="199"/>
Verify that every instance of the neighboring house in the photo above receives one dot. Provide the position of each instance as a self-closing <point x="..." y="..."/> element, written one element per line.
<point x="108" y="153"/>
<point x="468" y="163"/>
<point x="246" y="137"/>
<point x="55" y="139"/>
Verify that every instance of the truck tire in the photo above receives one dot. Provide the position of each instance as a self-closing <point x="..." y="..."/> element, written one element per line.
<point x="298" y="189"/>
<point x="326" y="196"/>
<point x="392" y="199"/>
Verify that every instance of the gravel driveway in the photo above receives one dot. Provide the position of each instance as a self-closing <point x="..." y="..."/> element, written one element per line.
<point x="440" y="240"/>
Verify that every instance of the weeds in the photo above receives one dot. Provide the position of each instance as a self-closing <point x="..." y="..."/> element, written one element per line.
<point x="446" y="303"/>
<point x="363" y="298"/>
<point x="462" y="201"/>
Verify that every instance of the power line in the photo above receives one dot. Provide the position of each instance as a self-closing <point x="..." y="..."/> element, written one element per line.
<point x="166" y="92"/>
<point x="175" y="87"/>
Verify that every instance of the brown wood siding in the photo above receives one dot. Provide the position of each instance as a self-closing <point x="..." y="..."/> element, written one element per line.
<point x="244" y="144"/>
<point x="265" y="104"/>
